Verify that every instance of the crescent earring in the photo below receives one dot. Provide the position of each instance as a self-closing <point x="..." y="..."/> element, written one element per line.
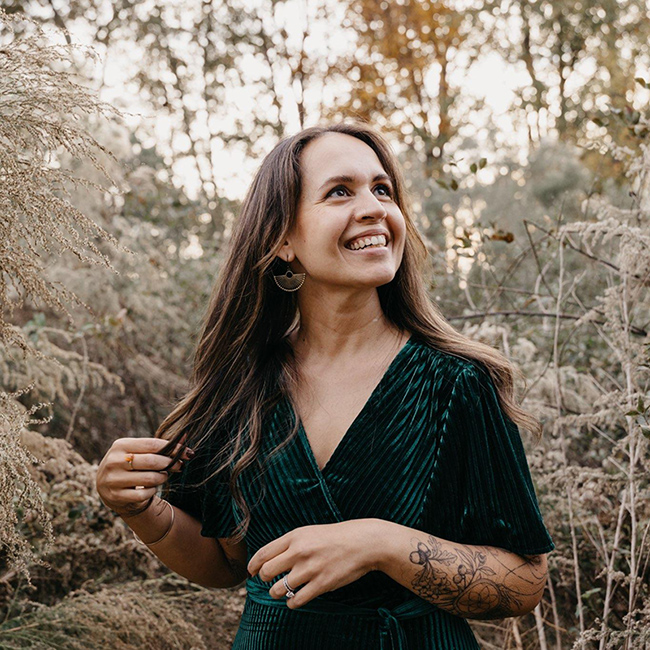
<point x="290" y="281"/>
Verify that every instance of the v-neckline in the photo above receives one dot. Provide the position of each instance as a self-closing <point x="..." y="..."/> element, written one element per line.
<point x="302" y="434"/>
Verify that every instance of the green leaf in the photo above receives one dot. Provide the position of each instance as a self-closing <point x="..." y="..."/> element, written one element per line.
<point x="473" y="168"/>
<point x="641" y="81"/>
<point x="482" y="162"/>
<point x="454" y="184"/>
<point x="590" y="592"/>
<point x="442" y="184"/>
<point x="631" y="413"/>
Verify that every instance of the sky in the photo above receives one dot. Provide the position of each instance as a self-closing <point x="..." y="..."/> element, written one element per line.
<point x="489" y="79"/>
<point x="489" y="82"/>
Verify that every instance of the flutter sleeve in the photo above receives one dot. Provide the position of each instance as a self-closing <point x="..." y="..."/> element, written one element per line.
<point x="492" y="500"/>
<point x="210" y="503"/>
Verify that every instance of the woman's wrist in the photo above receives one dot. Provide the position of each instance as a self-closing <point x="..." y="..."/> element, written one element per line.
<point x="386" y="549"/>
<point x="151" y="524"/>
<point x="134" y="511"/>
<point x="170" y="507"/>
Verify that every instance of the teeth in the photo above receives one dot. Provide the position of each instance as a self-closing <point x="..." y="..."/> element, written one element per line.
<point x="376" y="240"/>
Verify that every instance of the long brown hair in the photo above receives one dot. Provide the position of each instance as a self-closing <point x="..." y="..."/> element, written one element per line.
<point x="244" y="364"/>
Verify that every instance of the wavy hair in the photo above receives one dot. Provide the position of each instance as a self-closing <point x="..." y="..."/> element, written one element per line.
<point x="244" y="364"/>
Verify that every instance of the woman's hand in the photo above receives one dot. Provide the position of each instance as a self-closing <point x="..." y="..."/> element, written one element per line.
<point x="318" y="558"/>
<point x="125" y="487"/>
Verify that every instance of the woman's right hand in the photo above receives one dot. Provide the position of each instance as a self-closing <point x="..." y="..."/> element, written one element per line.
<point x="126" y="490"/>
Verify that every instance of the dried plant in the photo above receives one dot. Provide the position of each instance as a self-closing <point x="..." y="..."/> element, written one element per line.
<point x="157" y="614"/>
<point x="608" y="506"/>
<point x="589" y="383"/>
<point x="89" y="544"/>
<point x="41" y="120"/>
<point x="41" y="117"/>
<point x="20" y="492"/>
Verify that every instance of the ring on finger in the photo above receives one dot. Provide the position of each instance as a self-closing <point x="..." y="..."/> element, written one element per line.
<point x="290" y="592"/>
<point x="129" y="459"/>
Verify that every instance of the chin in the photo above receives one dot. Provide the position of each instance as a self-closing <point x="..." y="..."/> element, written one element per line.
<point x="378" y="280"/>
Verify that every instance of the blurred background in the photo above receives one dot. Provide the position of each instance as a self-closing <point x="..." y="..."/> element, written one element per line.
<point x="129" y="132"/>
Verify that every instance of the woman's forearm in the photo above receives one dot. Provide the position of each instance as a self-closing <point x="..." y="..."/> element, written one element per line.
<point x="479" y="582"/>
<point x="184" y="550"/>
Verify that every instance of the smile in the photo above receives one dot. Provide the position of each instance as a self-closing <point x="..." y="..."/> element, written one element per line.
<point x="376" y="241"/>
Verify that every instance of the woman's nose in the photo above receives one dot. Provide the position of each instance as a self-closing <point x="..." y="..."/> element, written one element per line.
<point x="370" y="206"/>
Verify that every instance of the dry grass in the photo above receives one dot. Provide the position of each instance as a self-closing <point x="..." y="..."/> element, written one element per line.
<point x="43" y="114"/>
<point x="160" y="614"/>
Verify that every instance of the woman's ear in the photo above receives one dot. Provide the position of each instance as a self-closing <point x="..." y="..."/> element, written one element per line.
<point x="286" y="252"/>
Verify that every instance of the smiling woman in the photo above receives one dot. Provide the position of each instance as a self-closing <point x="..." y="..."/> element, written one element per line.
<point x="355" y="454"/>
<point x="337" y="217"/>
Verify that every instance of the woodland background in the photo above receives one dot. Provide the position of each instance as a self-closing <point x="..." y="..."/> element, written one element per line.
<point x="121" y="170"/>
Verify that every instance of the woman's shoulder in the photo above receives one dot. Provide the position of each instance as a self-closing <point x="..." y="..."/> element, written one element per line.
<point x="445" y="364"/>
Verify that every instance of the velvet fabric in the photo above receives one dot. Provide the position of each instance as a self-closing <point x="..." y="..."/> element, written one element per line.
<point x="432" y="450"/>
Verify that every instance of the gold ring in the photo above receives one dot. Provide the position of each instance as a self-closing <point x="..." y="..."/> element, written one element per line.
<point x="129" y="459"/>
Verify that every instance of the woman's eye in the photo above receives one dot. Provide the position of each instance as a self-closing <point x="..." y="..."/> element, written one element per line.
<point x="386" y="188"/>
<point x="340" y="188"/>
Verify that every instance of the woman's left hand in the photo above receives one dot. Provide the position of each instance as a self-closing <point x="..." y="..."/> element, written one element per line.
<point x="319" y="558"/>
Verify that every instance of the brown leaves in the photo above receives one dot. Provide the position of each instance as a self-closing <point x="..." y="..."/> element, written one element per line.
<point x="42" y="124"/>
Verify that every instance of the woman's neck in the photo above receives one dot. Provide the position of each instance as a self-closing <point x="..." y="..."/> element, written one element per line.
<point x="335" y="326"/>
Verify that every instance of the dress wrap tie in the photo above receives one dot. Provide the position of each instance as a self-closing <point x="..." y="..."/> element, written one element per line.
<point x="391" y="633"/>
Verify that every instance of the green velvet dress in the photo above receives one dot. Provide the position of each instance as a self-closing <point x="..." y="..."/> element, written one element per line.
<point x="431" y="450"/>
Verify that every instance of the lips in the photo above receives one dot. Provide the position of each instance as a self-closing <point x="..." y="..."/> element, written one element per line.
<point x="367" y="235"/>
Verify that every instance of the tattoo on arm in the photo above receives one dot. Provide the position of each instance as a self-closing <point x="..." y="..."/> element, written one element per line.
<point x="462" y="582"/>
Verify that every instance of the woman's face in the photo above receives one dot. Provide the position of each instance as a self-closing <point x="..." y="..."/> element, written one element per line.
<point x="346" y="204"/>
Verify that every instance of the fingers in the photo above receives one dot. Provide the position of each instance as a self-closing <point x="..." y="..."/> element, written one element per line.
<point x="142" y="452"/>
<point x="275" y="566"/>
<point x="128" y="479"/>
<point x="117" y="477"/>
<point x="134" y="496"/>
<point x="154" y="462"/>
<point x="303" y="588"/>
<point x="142" y="445"/>
<point x="310" y="591"/>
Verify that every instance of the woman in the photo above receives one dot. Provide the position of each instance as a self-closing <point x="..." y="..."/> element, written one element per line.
<point x="357" y="459"/>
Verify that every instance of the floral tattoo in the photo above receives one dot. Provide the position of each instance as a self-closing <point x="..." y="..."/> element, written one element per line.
<point x="472" y="590"/>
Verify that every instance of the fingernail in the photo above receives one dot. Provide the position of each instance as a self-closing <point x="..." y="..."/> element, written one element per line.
<point x="190" y="452"/>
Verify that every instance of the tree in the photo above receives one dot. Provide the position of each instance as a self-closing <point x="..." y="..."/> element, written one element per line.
<point x="401" y="70"/>
<point x="581" y="57"/>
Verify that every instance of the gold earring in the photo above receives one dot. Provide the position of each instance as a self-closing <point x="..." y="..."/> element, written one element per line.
<point x="289" y="281"/>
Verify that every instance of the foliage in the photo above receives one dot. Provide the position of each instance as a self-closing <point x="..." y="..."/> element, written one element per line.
<point x="88" y="544"/>
<point x="40" y="107"/>
<point x="580" y="57"/>
<point x="587" y="370"/>
<point x="401" y="48"/>
<point x="154" y="614"/>
<point x="20" y="493"/>
<point x="544" y="255"/>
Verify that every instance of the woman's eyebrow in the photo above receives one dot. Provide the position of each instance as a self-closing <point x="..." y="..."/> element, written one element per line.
<point x="352" y="179"/>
